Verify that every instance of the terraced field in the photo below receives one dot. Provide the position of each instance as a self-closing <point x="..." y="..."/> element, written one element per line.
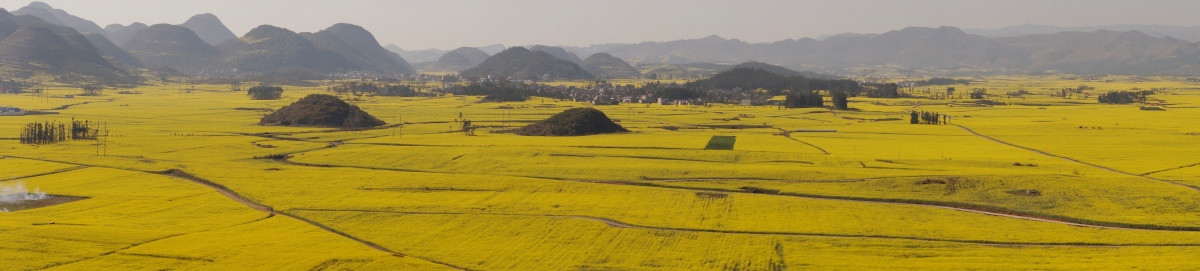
<point x="187" y="180"/>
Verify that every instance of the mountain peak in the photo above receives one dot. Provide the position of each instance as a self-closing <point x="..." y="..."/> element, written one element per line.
<point x="268" y="31"/>
<point x="40" y="5"/>
<point x="209" y="28"/>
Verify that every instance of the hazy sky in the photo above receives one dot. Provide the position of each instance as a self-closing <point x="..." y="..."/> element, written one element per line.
<point x="452" y="23"/>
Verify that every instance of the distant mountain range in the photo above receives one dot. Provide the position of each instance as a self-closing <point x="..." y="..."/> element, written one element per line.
<point x="30" y="46"/>
<point x="430" y="55"/>
<point x="1188" y="33"/>
<point x="456" y="60"/>
<point x="203" y="45"/>
<point x="934" y="51"/>
<point x="56" y="42"/>
<point x="59" y="17"/>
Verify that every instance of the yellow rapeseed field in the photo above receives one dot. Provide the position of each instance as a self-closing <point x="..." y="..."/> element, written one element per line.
<point x="186" y="179"/>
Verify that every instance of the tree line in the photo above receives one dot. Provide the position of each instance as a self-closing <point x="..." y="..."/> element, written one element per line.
<point x="50" y="132"/>
<point x="927" y="117"/>
<point x="1124" y="97"/>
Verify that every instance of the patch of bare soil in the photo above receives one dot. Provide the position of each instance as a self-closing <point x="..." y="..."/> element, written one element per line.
<point x="50" y="200"/>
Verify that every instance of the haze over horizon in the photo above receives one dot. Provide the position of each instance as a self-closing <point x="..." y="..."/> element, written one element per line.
<point x="450" y="24"/>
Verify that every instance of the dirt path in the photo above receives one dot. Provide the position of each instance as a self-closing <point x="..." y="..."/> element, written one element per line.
<point x="1075" y="160"/>
<point x="619" y="224"/>
<point x="788" y="135"/>
<point x="1170" y="169"/>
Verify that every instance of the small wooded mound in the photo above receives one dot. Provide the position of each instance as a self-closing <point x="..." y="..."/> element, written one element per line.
<point x="321" y="110"/>
<point x="573" y="122"/>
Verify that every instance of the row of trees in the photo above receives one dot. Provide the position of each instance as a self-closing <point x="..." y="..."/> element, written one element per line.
<point x="39" y="133"/>
<point x="51" y="132"/>
<point x="926" y="117"/>
<point x="1124" y="97"/>
<point x="799" y="99"/>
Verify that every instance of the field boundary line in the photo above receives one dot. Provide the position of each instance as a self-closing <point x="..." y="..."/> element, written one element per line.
<point x="957" y="206"/>
<point x="993" y="139"/>
<point x="1170" y="169"/>
<point x="620" y="224"/>
<point x="57" y="171"/>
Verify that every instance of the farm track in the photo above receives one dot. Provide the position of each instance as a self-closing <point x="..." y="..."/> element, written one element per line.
<point x="788" y="135"/>
<point x="229" y="193"/>
<point x="1145" y="176"/>
<point x="956" y="206"/>
<point x="624" y="225"/>
<point x="45" y="173"/>
<point x="1170" y="169"/>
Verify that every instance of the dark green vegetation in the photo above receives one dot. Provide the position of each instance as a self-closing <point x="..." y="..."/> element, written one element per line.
<point x="840" y="100"/>
<point x="265" y="92"/>
<point x="925" y="117"/>
<point x="573" y="122"/>
<point x="1124" y="97"/>
<point x="321" y="110"/>
<point x="721" y="143"/>
<point x="51" y="132"/>
<point x="604" y="65"/>
<point x="518" y="63"/>
<point x="802" y="99"/>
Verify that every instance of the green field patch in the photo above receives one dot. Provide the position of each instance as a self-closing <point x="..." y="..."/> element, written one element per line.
<point x="721" y="143"/>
